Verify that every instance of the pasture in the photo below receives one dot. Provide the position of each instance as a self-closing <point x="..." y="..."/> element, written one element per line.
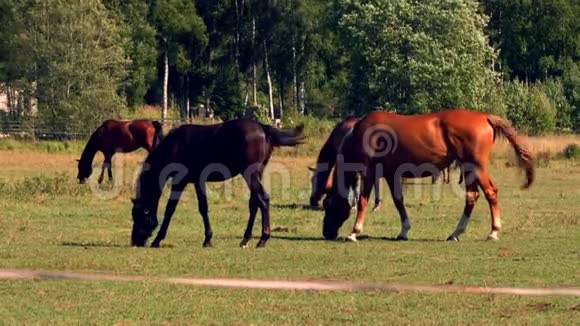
<point x="49" y="222"/>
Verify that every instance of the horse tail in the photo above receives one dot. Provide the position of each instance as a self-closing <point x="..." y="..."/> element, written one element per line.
<point x="525" y="156"/>
<point x="158" y="133"/>
<point x="284" y="137"/>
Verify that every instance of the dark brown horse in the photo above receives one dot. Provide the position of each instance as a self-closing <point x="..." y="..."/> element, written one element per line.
<point x="395" y="146"/>
<point x="321" y="178"/>
<point x="200" y="154"/>
<point x="115" y="136"/>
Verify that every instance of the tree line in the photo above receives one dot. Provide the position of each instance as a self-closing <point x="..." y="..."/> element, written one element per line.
<point x="79" y="62"/>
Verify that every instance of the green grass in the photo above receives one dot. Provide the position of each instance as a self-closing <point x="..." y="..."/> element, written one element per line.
<point x="49" y="222"/>
<point x="43" y="146"/>
<point x="105" y="303"/>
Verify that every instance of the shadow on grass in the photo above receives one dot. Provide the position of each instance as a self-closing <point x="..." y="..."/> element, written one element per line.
<point x="297" y="206"/>
<point x="362" y="237"/>
<point x="297" y="238"/>
<point x="94" y="244"/>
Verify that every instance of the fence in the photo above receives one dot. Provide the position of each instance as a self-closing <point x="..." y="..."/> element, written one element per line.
<point x="14" y="128"/>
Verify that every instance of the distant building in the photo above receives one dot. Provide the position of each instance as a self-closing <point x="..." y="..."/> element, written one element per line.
<point x="5" y="103"/>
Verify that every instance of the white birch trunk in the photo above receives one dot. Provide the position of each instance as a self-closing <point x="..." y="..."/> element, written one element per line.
<point x="294" y="72"/>
<point x="165" y="83"/>
<point x="269" y="79"/>
<point x="302" y="98"/>
<point x="254" y="74"/>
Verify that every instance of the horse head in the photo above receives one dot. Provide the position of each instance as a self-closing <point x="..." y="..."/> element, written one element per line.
<point x="320" y="182"/>
<point x="336" y="211"/>
<point x="85" y="171"/>
<point x="144" y="222"/>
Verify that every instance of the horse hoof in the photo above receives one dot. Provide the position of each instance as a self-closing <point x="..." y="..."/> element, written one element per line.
<point x="453" y="238"/>
<point x="155" y="245"/>
<point x="492" y="237"/>
<point x="351" y="238"/>
<point x="402" y="238"/>
<point x="244" y="243"/>
<point x="261" y="244"/>
<point x="207" y="245"/>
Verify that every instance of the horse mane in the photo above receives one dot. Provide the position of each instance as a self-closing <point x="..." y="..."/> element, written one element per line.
<point x="92" y="146"/>
<point x="154" y="162"/>
<point x="328" y="152"/>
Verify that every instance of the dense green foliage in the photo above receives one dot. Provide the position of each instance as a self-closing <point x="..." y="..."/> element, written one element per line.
<point x="78" y="63"/>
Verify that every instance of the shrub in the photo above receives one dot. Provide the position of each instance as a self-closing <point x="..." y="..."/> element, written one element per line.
<point x="554" y="90"/>
<point x="529" y="108"/>
<point x="572" y="151"/>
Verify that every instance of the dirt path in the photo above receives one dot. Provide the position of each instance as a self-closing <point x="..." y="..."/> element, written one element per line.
<point x="25" y="274"/>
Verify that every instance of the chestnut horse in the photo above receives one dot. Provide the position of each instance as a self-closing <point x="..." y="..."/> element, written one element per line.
<point x="199" y="154"/>
<point x="394" y="146"/>
<point x="321" y="178"/>
<point x="115" y="136"/>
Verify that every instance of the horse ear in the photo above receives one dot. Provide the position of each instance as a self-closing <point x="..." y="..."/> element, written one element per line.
<point x="134" y="200"/>
<point x="78" y="160"/>
<point x="312" y="169"/>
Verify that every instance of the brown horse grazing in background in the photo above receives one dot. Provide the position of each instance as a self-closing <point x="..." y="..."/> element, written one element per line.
<point x="395" y="146"/>
<point x="115" y="136"/>
<point x="447" y="174"/>
<point x="199" y="154"/>
<point x="321" y="178"/>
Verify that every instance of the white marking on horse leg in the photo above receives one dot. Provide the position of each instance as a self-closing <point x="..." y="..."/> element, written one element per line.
<point x="493" y="235"/>
<point x="352" y="237"/>
<point x="358" y="228"/>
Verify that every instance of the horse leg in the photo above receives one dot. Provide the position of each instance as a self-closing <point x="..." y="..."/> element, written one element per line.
<point x="362" y="204"/>
<point x="100" y="180"/>
<point x="447" y="175"/>
<point x="259" y="196"/>
<point x="148" y="147"/>
<point x="200" y="191"/>
<point x="396" y="188"/>
<point x="109" y="167"/>
<point x="378" y="200"/>
<point x="355" y="194"/>
<point x="176" y="191"/>
<point x="490" y="191"/>
<point x="471" y="196"/>
<point x="435" y="177"/>
<point x="106" y="165"/>
<point x="253" y="206"/>
<point x="461" y="172"/>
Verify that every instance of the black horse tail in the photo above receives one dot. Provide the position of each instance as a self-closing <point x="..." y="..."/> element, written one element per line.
<point x="158" y="133"/>
<point x="284" y="137"/>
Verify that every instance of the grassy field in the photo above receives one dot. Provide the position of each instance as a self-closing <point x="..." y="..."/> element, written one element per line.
<point x="49" y="222"/>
